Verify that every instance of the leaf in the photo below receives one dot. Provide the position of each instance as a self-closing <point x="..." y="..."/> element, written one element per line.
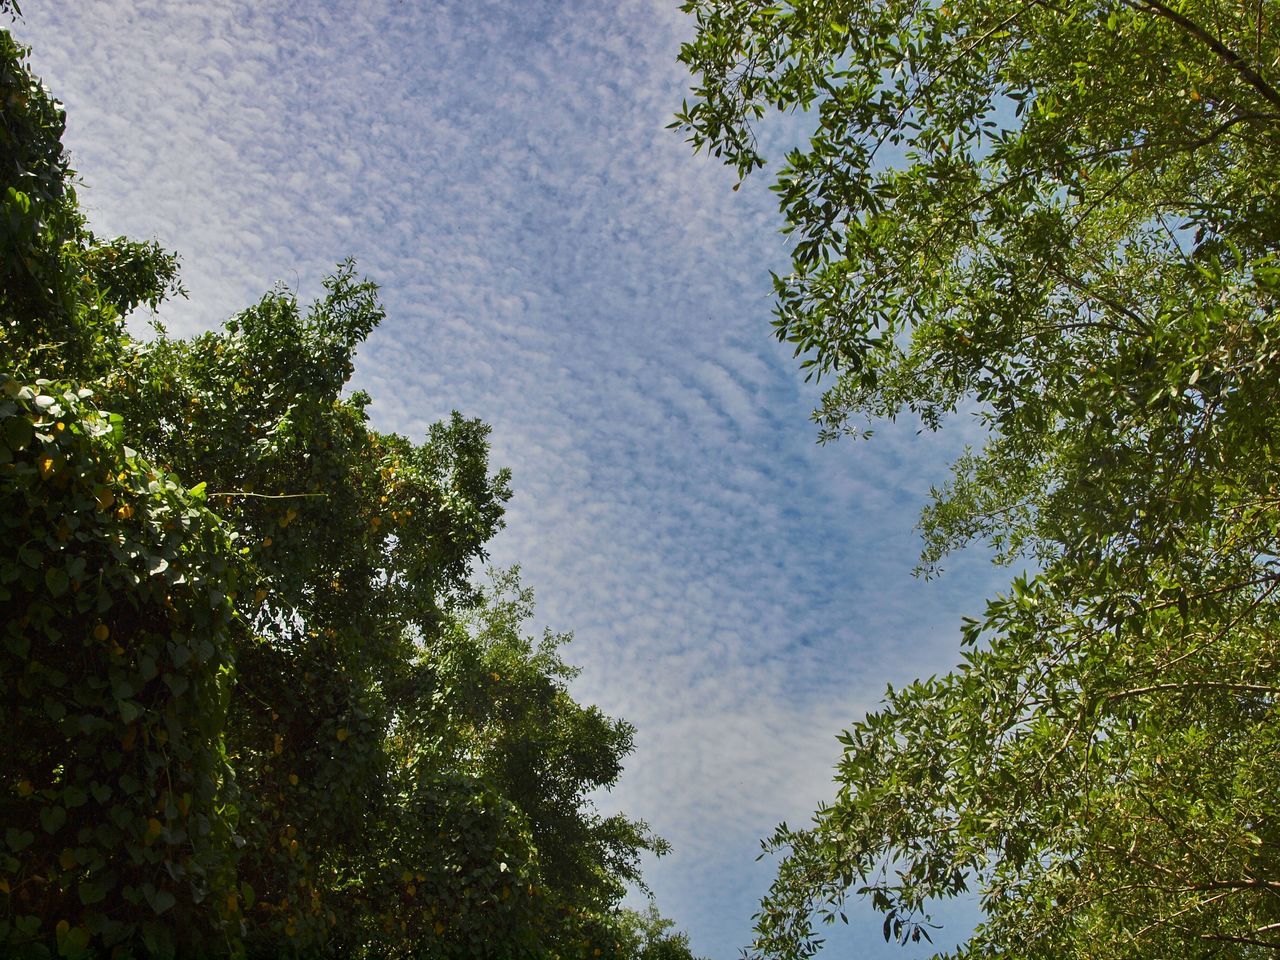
<point x="57" y="581"/>
<point x="93" y="891"/>
<point x="52" y="818"/>
<point x="160" y="900"/>
<point x="73" y="942"/>
<point x="18" y="840"/>
<point x="18" y="432"/>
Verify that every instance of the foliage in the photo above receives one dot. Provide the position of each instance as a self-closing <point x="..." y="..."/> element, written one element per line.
<point x="54" y="268"/>
<point x="254" y="704"/>
<point x="116" y="666"/>
<point x="357" y="541"/>
<point x="647" y="936"/>
<point x="501" y="723"/>
<point x="118" y="805"/>
<point x="1060" y="216"/>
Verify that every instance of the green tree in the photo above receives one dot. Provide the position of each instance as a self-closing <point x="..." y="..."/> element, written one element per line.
<point x="1058" y="216"/>
<point x="118" y="803"/>
<point x="501" y="727"/>
<point x="648" y="936"/>
<point x="358" y="543"/>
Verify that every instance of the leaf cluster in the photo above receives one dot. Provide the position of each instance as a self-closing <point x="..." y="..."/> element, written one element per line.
<point x="1057" y="217"/>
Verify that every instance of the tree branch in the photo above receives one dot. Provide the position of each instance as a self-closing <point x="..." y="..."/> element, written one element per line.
<point x="1233" y="59"/>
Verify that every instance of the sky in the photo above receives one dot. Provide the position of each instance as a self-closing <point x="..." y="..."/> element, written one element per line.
<point x="556" y="262"/>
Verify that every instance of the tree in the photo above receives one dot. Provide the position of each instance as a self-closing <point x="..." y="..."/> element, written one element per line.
<point x="648" y="936"/>
<point x="503" y="728"/>
<point x="1057" y="216"/>
<point x="118" y="800"/>
<point x="255" y="705"/>
<point x="359" y="543"/>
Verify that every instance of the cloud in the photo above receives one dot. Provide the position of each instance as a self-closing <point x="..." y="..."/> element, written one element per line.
<point x="555" y="262"/>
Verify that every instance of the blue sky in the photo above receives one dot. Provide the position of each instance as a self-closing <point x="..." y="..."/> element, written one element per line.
<point x="556" y="262"/>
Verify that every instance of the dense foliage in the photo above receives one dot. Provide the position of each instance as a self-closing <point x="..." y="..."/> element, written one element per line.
<point x="1060" y="216"/>
<point x="254" y="704"/>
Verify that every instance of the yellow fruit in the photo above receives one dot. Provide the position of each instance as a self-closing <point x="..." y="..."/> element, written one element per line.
<point x="293" y="779"/>
<point x="278" y="747"/>
<point x="46" y="466"/>
<point x="25" y="789"/>
<point x="101" y="632"/>
<point x="342" y="734"/>
<point x="266" y="541"/>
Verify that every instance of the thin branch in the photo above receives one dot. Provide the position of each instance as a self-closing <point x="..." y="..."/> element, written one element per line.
<point x="1251" y="941"/>
<point x="1195" y="685"/>
<point x="1100" y="298"/>
<point x="265" y="496"/>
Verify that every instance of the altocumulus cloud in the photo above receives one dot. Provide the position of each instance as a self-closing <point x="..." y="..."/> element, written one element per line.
<point x="554" y="261"/>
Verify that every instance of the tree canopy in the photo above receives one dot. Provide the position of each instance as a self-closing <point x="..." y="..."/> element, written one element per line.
<point x="256" y="703"/>
<point x="1058" y="217"/>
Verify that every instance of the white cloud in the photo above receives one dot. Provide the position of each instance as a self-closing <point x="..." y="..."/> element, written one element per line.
<point x="557" y="263"/>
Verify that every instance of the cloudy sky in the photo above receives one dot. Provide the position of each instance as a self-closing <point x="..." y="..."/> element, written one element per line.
<point x="556" y="262"/>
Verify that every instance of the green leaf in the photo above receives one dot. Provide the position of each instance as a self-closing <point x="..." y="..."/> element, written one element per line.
<point x="18" y="840"/>
<point x="52" y="818"/>
<point x="18" y="432"/>
<point x="57" y="581"/>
